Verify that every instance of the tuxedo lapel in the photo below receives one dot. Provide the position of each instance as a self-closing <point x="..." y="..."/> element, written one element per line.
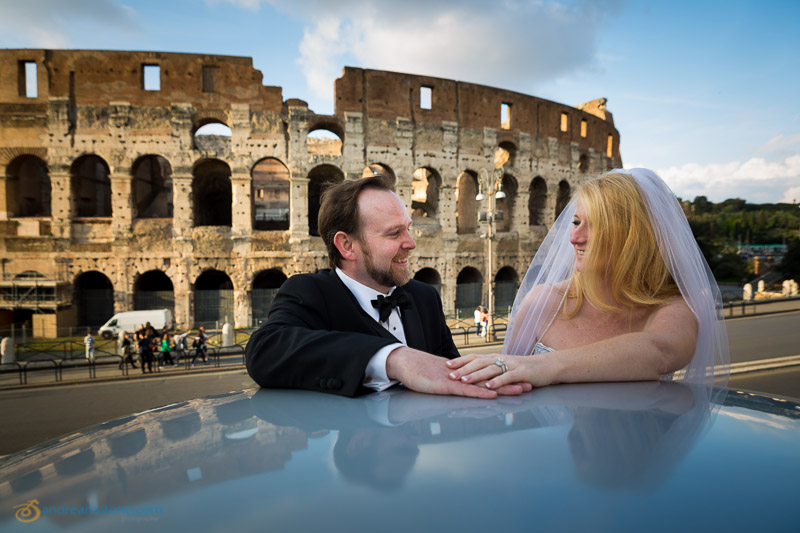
<point x="412" y="326"/>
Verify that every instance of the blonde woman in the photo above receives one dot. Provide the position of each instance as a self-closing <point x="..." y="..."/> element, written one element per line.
<point x="618" y="291"/>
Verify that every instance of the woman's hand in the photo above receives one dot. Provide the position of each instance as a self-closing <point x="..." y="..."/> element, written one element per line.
<point x="484" y="370"/>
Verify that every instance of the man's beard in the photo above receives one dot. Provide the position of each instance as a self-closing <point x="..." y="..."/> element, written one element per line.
<point x="385" y="278"/>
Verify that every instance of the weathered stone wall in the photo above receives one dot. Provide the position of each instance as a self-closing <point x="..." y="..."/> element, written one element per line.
<point x="94" y="103"/>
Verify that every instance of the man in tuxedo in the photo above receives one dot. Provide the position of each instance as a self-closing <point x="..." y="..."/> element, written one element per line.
<point x="364" y="325"/>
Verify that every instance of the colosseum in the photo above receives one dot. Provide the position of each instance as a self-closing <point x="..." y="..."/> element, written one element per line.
<point x="115" y="196"/>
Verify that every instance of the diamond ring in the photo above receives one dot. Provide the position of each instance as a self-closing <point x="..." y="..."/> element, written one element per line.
<point x="502" y="364"/>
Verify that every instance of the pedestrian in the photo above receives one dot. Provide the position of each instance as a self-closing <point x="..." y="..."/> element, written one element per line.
<point x="166" y="348"/>
<point x="199" y="345"/>
<point x="146" y="352"/>
<point x="484" y="321"/>
<point x="88" y="340"/>
<point x="180" y="345"/>
<point x="127" y="351"/>
<point x="477" y="317"/>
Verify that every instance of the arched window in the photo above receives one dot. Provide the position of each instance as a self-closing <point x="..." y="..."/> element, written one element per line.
<point x="425" y="185"/>
<point x="91" y="187"/>
<point x="28" y="189"/>
<point x="506" y="155"/>
<point x="213" y="136"/>
<point x="211" y="193"/>
<point x="94" y="295"/>
<point x="265" y="287"/>
<point x="431" y="277"/>
<point x="505" y="289"/>
<point x="213" y="299"/>
<point x="537" y="201"/>
<point x="152" y="187"/>
<point x="466" y="205"/>
<point x="270" y="195"/>
<point x="506" y="205"/>
<point x="469" y="291"/>
<point x="153" y="290"/>
<point x="322" y="141"/>
<point x="317" y="178"/>
<point x="583" y="163"/>
<point x="379" y="169"/>
<point x="563" y="197"/>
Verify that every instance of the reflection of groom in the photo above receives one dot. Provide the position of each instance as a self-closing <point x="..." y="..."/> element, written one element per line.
<point x="362" y="326"/>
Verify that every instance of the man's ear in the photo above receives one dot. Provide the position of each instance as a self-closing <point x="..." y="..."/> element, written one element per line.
<point x="345" y="244"/>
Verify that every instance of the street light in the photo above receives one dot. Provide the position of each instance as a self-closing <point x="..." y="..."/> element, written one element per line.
<point x="493" y="182"/>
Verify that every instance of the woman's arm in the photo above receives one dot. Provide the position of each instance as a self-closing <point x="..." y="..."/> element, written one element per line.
<point x="666" y="344"/>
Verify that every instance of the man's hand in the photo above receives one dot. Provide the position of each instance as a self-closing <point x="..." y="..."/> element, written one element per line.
<point x="424" y="372"/>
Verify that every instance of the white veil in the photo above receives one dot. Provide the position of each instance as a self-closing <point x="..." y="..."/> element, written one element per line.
<point x="554" y="264"/>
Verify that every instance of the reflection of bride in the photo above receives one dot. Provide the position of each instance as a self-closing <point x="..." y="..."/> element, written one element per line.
<point x="618" y="290"/>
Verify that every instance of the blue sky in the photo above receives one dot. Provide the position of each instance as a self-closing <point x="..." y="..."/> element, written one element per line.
<point x="702" y="92"/>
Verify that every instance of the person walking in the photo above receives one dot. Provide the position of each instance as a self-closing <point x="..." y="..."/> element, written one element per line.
<point x="88" y="341"/>
<point x="199" y="345"/>
<point x="127" y="351"/>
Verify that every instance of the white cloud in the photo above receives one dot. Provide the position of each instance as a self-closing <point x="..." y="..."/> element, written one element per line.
<point x="755" y="179"/>
<point x="47" y="24"/>
<point x="512" y="44"/>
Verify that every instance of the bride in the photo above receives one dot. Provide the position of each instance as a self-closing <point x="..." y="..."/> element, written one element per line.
<point x="618" y="291"/>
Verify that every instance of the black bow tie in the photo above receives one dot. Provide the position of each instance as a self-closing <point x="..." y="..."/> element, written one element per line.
<point x="385" y="304"/>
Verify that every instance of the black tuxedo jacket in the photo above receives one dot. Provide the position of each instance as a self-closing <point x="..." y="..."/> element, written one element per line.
<point x="318" y="337"/>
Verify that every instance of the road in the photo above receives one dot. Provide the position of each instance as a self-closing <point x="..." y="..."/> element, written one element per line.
<point x="30" y="416"/>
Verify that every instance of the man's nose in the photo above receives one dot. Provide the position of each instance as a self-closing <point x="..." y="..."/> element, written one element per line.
<point x="409" y="243"/>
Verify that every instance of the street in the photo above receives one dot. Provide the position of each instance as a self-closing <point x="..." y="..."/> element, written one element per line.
<point x="30" y="416"/>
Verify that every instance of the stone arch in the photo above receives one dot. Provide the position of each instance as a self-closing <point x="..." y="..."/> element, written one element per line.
<point x="28" y="188"/>
<point x="325" y="138"/>
<point x="469" y="290"/>
<point x="431" y="277"/>
<point x="265" y="287"/>
<point x="317" y="179"/>
<point x="466" y="204"/>
<point x="153" y="290"/>
<point x="506" y="153"/>
<point x="506" y="205"/>
<point x="152" y="187"/>
<point x="271" y="195"/>
<point x="425" y="184"/>
<point x="91" y="187"/>
<point x="379" y="169"/>
<point x="537" y="201"/>
<point x="94" y="296"/>
<point x="211" y="193"/>
<point x="213" y="299"/>
<point x="506" y="282"/>
<point x="212" y="134"/>
<point x="563" y="196"/>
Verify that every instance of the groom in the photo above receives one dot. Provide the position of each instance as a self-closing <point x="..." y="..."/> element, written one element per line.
<point x="364" y="325"/>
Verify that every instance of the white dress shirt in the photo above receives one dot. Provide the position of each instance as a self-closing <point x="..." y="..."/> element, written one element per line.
<point x="375" y="374"/>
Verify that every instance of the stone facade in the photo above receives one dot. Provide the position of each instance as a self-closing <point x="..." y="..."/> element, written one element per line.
<point x="108" y="192"/>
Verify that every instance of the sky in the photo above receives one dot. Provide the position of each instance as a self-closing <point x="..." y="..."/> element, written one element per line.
<point x="702" y="91"/>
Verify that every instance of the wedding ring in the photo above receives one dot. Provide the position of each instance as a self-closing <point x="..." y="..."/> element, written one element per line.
<point x="502" y="364"/>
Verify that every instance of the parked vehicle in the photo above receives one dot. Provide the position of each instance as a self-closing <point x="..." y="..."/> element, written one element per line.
<point x="130" y="320"/>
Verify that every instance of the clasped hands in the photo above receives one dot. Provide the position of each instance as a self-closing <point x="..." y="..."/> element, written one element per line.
<point x="464" y="376"/>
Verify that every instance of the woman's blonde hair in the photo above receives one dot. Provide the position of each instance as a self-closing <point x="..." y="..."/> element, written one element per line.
<point x="622" y="255"/>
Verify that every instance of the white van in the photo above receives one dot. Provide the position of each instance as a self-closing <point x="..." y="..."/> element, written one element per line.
<point x="130" y="320"/>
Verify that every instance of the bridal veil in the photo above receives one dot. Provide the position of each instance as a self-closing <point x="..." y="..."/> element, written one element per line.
<point x="540" y="297"/>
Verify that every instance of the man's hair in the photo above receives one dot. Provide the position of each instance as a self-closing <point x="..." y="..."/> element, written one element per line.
<point x="339" y="211"/>
<point x="623" y="251"/>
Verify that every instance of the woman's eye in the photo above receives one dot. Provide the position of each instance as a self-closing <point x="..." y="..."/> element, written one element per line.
<point x="576" y="222"/>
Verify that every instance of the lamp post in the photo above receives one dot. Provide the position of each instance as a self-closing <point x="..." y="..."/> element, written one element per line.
<point x="494" y="186"/>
